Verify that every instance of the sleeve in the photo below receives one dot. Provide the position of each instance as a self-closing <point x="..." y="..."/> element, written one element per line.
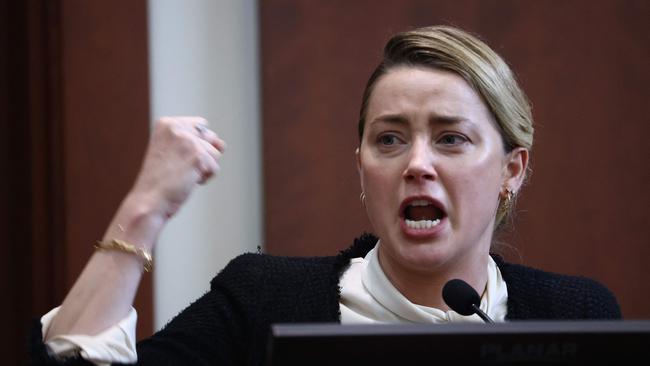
<point x="115" y="344"/>
<point x="600" y="302"/>
<point x="213" y="330"/>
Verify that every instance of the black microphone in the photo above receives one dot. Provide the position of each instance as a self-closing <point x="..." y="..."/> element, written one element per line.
<point x="463" y="299"/>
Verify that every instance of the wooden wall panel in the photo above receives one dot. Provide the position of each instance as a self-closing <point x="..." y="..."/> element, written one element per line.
<point x="31" y="214"/>
<point x="105" y="109"/>
<point x="75" y="120"/>
<point x="583" y="65"/>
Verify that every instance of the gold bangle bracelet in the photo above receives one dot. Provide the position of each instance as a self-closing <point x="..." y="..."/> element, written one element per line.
<point x="122" y="246"/>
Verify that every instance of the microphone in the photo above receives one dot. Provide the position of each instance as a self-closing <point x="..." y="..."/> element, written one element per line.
<point x="463" y="299"/>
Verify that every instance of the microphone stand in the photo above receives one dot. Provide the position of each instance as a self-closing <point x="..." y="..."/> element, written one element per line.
<point x="482" y="314"/>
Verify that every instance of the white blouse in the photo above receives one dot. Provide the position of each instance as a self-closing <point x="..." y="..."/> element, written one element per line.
<point x="367" y="296"/>
<point x="115" y="344"/>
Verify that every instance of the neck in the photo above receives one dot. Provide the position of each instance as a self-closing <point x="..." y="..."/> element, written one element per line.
<point x="425" y="288"/>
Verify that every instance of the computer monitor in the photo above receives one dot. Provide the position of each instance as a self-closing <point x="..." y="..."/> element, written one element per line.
<point x="512" y="343"/>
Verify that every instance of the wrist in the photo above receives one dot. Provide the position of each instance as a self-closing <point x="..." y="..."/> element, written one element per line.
<point x="139" y="220"/>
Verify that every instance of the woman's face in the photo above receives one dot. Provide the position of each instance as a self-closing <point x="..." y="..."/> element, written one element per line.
<point x="432" y="166"/>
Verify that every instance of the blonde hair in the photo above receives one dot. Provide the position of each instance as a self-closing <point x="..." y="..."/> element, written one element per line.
<point x="452" y="49"/>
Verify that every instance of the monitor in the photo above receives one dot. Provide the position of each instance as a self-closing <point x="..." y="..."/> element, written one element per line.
<point x="512" y="343"/>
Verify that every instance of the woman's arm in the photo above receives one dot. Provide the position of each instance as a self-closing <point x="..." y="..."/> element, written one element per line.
<point x="179" y="157"/>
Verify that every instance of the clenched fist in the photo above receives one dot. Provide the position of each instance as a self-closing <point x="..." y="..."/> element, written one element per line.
<point x="182" y="153"/>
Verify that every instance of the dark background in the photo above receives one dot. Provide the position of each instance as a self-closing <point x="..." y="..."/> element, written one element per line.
<point x="74" y="105"/>
<point x="583" y="65"/>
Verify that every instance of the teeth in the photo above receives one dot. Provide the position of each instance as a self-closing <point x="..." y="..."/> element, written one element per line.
<point x="420" y="203"/>
<point x="422" y="224"/>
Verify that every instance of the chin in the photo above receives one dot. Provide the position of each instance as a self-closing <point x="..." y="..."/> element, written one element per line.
<point x="423" y="257"/>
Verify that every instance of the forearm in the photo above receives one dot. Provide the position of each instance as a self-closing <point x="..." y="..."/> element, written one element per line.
<point x="104" y="292"/>
<point x="182" y="153"/>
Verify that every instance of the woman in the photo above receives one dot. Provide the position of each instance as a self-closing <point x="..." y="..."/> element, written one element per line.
<point x="445" y="136"/>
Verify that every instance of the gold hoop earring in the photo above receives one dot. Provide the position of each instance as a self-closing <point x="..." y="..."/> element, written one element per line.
<point x="509" y="194"/>
<point x="505" y="204"/>
<point x="362" y="198"/>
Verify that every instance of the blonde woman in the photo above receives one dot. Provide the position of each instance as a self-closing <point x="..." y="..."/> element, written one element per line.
<point x="445" y="135"/>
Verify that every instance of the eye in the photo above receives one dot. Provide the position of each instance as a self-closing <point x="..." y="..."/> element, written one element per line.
<point x="452" y="139"/>
<point x="388" y="140"/>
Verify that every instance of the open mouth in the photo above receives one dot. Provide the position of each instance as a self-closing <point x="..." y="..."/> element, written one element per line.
<point x="422" y="214"/>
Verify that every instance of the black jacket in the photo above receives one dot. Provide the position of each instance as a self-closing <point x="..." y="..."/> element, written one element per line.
<point x="229" y="325"/>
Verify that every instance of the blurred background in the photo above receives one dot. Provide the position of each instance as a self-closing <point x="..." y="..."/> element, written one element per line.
<point x="281" y="81"/>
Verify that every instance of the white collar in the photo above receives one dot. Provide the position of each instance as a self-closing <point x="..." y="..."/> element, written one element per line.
<point x="367" y="295"/>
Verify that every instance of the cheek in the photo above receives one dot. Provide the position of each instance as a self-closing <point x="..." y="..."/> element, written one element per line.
<point x="381" y="186"/>
<point x="377" y="175"/>
<point x="377" y="184"/>
<point x="474" y="190"/>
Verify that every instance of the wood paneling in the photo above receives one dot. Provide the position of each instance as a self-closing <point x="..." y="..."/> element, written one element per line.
<point x="105" y="101"/>
<point x="74" y="104"/>
<point x="33" y="258"/>
<point x="583" y="65"/>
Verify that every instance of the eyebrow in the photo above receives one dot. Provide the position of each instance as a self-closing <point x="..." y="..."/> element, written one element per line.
<point x="400" y="119"/>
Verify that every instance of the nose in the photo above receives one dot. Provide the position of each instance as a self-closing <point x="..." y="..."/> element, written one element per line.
<point x="420" y="164"/>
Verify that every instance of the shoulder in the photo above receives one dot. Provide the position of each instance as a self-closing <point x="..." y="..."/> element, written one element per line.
<point x="256" y="266"/>
<point x="538" y="294"/>
<point x="293" y="287"/>
<point x="252" y="270"/>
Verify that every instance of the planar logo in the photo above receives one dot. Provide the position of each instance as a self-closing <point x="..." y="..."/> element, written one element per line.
<point x="518" y="352"/>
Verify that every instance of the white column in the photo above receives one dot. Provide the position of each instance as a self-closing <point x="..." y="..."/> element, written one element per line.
<point x="204" y="61"/>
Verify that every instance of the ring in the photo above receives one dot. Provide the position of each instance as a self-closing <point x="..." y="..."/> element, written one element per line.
<point x="201" y="129"/>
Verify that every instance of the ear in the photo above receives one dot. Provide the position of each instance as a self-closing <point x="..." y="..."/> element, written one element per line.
<point x="514" y="169"/>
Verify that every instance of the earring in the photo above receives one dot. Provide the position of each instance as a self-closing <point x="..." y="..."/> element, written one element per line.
<point x="509" y="194"/>
<point x="362" y="198"/>
<point x="505" y="203"/>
